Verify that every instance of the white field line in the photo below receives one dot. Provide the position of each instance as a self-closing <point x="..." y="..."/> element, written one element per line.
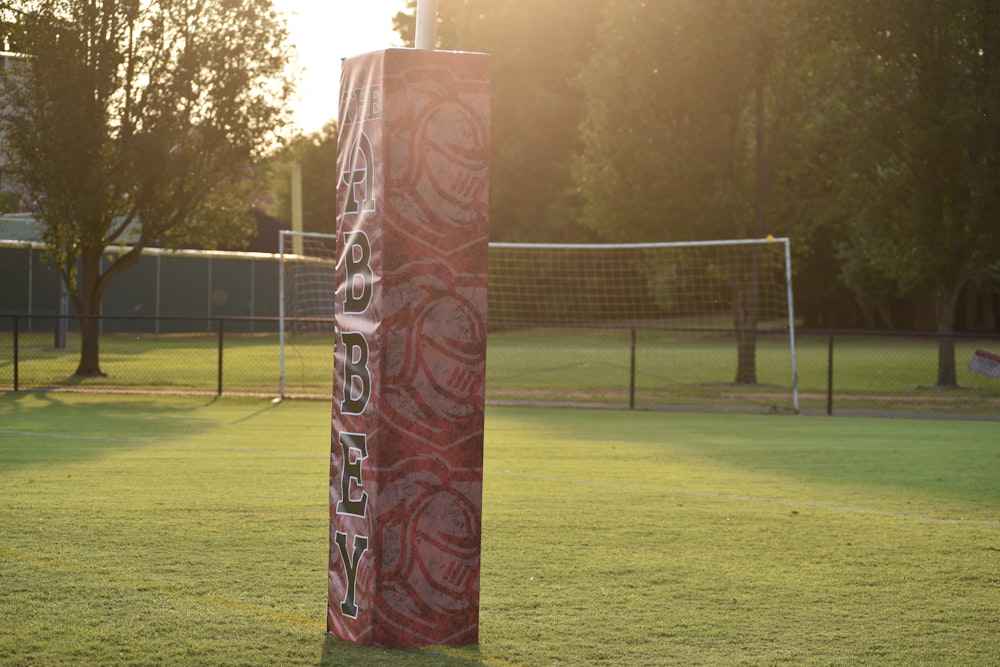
<point x="744" y="498"/>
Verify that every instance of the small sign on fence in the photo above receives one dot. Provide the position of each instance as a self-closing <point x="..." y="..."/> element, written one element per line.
<point x="986" y="363"/>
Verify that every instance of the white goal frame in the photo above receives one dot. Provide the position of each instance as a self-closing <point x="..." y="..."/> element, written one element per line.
<point x="785" y="241"/>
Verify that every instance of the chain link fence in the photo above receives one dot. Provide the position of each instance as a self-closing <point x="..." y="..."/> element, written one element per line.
<point x="143" y="355"/>
<point x="831" y="372"/>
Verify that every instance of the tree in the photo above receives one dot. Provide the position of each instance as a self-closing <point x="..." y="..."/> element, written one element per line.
<point x="152" y="112"/>
<point x="925" y="163"/>
<point x="693" y="108"/>
<point x="316" y="153"/>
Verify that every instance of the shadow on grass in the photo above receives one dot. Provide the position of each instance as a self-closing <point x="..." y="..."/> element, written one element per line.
<point x="43" y="428"/>
<point x="337" y="652"/>
<point x="936" y="458"/>
<point x="943" y="459"/>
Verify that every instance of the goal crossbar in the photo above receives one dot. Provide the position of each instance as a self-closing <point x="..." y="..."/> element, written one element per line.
<point x="636" y="246"/>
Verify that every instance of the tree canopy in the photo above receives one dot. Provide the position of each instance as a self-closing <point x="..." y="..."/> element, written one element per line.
<point x="868" y="131"/>
<point x="152" y="112"/>
<point x="316" y="154"/>
<point x="925" y="156"/>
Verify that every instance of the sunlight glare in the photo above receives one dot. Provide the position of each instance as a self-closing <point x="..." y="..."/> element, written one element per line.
<point x="324" y="32"/>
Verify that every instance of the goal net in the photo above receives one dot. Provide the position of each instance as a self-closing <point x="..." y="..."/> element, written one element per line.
<point x="714" y="314"/>
<point x="306" y="274"/>
<point x="700" y="324"/>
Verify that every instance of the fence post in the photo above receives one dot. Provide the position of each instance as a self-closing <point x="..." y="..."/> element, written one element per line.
<point x="222" y="327"/>
<point x="62" y="322"/>
<point x="15" y="353"/>
<point x="829" y="376"/>
<point x="631" y="386"/>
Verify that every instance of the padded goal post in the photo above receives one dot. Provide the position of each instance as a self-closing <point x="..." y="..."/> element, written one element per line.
<point x="406" y="464"/>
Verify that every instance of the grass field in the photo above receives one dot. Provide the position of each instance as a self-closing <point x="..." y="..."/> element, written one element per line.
<point x="193" y="531"/>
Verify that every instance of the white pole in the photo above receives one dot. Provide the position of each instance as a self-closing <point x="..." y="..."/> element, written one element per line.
<point x="426" y="24"/>
<point x="791" y="323"/>
<point x="297" y="208"/>
<point x="159" y="271"/>
<point x="281" y="313"/>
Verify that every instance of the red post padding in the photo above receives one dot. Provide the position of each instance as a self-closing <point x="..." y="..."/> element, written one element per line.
<point x="406" y="466"/>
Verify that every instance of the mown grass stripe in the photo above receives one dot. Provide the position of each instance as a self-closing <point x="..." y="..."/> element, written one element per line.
<point x="740" y="497"/>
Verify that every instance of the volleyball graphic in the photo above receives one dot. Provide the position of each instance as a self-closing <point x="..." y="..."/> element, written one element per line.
<point x="431" y="554"/>
<point x="437" y="372"/>
<point x="450" y="162"/>
<point x="438" y="188"/>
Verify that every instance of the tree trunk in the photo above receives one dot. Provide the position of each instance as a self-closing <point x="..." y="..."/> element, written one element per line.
<point x="947" y="375"/>
<point x="745" y="320"/>
<point x="747" y="305"/>
<point x="88" y="307"/>
<point x="90" y="340"/>
<point x="746" y="345"/>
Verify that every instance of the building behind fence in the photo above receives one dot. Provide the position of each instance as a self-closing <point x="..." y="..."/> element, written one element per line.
<point x="164" y="284"/>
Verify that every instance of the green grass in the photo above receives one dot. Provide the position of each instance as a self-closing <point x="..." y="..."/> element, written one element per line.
<point x="187" y="530"/>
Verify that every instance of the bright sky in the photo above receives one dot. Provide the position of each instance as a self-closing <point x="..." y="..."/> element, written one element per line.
<point x="323" y="32"/>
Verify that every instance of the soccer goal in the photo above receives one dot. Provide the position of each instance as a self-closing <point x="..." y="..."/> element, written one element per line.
<point x="730" y="301"/>
<point x="713" y="316"/>
<point x="306" y="274"/>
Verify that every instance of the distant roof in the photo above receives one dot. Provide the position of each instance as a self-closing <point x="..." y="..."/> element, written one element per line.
<point x="23" y="228"/>
<point x="20" y="227"/>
